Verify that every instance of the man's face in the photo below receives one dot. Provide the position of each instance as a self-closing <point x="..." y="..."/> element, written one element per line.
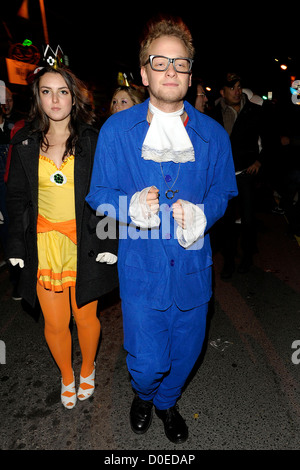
<point x="8" y="106"/>
<point x="201" y="99"/>
<point x="168" y="87"/>
<point x="232" y="95"/>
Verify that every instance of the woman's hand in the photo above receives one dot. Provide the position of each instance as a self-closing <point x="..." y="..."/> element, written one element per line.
<point x="108" y="258"/>
<point x="16" y="261"/>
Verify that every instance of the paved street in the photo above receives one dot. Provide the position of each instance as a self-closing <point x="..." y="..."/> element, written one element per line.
<point x="243" y="394"/>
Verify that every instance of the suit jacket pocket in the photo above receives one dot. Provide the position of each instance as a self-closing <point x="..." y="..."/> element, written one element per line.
<point x="196" y="263"/>
<point x="141" y="263"/>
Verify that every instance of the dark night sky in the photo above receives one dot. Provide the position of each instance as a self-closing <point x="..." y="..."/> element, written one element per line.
<point x="102" y="40"/>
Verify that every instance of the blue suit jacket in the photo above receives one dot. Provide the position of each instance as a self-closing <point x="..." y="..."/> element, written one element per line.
<point x="153" y="268"/>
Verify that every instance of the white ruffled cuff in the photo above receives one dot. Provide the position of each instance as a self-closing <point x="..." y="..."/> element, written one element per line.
<point x="140" y="212"/>
<point x="196" y="223"/>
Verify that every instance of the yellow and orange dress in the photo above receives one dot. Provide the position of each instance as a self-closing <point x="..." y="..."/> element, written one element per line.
<point x="56" y="226"/>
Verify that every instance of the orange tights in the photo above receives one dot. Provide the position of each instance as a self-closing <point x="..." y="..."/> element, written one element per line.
<point x="56" y="310"/>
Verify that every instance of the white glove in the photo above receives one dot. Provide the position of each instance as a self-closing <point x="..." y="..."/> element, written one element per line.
<point x="15" y="261"/>
<point x="1" y="218"/>
<point x="107" y="258"/>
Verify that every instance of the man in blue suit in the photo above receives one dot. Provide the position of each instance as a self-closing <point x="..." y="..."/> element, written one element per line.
<point x="165" y="171"/>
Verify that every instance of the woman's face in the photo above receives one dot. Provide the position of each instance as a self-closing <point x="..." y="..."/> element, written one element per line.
<point x="55" y="96"/>
<point x="121" y="101"/>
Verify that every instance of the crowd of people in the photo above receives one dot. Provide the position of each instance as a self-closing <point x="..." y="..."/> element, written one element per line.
<point x="163" y="155"/>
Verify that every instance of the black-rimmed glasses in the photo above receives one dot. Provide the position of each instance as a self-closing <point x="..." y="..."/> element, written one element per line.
<point x="160" y="63"/>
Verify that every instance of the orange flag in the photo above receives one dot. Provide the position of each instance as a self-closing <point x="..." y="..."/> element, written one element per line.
<point x="23" y="10"/>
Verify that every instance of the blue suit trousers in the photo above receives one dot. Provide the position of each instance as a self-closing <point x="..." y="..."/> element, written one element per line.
<point x="162" y="348"/>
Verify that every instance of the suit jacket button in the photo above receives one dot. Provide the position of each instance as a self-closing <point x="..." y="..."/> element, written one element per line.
<point x="91" y="253"/>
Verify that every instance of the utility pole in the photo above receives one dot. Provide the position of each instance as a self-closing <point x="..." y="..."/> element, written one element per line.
<point x="43" y="13"/>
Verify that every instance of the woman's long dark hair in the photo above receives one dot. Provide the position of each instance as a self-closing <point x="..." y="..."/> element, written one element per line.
<point x="82" y="110"/>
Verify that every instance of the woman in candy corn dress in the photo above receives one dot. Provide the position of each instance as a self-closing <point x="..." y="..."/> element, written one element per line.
<point x="53" y="231"/>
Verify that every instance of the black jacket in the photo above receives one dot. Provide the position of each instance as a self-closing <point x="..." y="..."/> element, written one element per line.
<point x="246" y="131"/>
<point x="93" y="278"/>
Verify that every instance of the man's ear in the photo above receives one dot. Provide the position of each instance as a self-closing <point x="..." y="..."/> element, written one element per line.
<point x="144" y="76"/>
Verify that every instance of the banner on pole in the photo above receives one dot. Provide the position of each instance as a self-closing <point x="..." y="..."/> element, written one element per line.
<point x="18" y="71"/>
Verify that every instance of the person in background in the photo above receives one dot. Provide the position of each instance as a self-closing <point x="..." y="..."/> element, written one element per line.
<point x="5" y="129"/>
<point x="8" y="118"/>
<point x="288" y="170"/>
<point x="167" y="172"/>
<point x="201" y="100"/>
<point x="124" y="97"/>
<point x="244" y="124"/>
<point x="197" y="95"/>
<point x="11" y="110"/>
<point x="52" y="230"/>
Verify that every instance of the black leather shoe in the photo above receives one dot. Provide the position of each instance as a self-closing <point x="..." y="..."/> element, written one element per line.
<point x="175" y="428"/>
<point x="140" y="415"/>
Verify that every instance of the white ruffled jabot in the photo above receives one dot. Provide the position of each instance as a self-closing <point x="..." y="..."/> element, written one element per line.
<point x="167" y="139"/>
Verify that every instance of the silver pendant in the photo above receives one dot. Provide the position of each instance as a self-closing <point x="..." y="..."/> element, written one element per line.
<point x="171" y="191"/>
